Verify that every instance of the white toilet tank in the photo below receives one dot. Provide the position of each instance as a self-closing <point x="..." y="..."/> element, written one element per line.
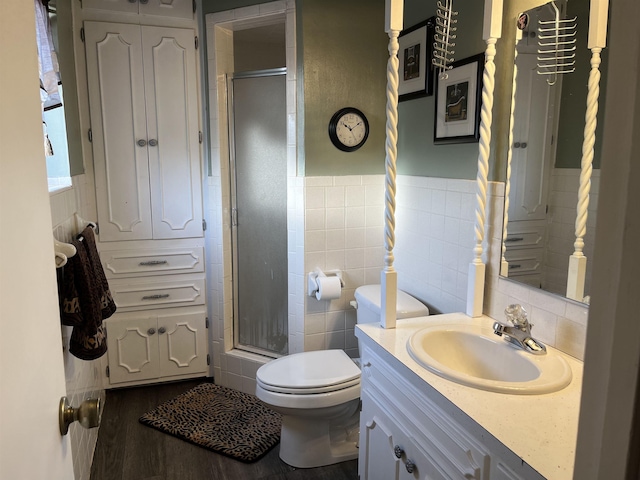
<point x="368" y="305"/>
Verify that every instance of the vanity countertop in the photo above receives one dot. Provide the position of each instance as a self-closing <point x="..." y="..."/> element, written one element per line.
<point x="540" y="429"/>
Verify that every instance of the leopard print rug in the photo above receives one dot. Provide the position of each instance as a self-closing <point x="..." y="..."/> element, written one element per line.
<point x="226" y="421"/>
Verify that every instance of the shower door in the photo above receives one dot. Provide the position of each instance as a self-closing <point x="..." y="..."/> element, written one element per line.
<point x="259" y="210"/>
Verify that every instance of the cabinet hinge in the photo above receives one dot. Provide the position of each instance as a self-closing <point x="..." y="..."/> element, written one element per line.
<point x="90" y="135"/>
<point x="82" y="34"/>
<point x="196" y="42"/>
<point x="107" y="371"/>
<point x="204" y="225"/>
<point x="206" y="322"/>
<point x="194" y="6"/>
<point x="200" y="136"/>
<point x="208" y="359"/>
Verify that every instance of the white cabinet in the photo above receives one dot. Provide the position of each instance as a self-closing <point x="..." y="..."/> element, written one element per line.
<point x="155" y="345"/>
<point x="144" y="121"/>
<point x="531" y="164"/>
<point x="405" y="433"/>
<point x="165" y="8"/>
<point x="159" y="330"/>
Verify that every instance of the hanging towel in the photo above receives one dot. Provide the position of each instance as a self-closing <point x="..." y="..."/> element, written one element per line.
<point x="107" y="305"/>
<point x="85" y="299"/>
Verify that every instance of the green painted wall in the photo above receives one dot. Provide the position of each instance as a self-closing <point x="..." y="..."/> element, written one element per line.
<point x="212" y="6"/>
<point x="342" y="49"/>
<point x="342" y="57"/>
<point x="574" y="96"/>
<point x="417" y="154"/>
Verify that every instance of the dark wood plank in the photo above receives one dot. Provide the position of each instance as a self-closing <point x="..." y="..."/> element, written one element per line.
<point x="128" y="450"/>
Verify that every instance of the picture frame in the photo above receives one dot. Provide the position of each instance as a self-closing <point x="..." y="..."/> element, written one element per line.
<point x="414" y="56"/>
<point x="458" y="102"/>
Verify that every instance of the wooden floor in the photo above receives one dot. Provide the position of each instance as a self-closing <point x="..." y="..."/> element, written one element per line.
<point x="128" y="450"/>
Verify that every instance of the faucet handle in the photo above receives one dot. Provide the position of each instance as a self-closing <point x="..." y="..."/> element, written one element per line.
<point x="517" y="315"/>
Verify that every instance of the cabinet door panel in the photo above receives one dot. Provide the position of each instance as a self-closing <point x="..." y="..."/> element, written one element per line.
<point x="118" y="121"/>
<point x="183" y="345"/>
<point x="164" y="8"/>
<point x="172" y="113"/>
<point x="168" y="8"/>
<point x="380" y="434"/>
<point x="122" y="6"/>
<point x="133" y="349"/>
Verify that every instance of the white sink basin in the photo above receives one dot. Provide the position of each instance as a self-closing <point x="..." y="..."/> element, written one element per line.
<point x="476" y="357"/>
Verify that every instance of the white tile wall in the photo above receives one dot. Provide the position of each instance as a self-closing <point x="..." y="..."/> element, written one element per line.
<point x="558" y="322"/>
<point x="343" y="230"/>
<point x="432" y="263"/>
<point x="84" y="379"/>
<point x="563" y="197"/>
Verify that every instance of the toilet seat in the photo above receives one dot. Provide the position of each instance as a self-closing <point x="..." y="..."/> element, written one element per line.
<point x="309" y="373"/>
<point x="308" y="391"/>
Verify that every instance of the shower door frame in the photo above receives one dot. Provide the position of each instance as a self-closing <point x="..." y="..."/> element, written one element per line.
<point x="229" y="77"/>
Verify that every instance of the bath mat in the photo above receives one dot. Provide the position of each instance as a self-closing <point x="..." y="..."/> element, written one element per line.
<point x="220" y="419"/>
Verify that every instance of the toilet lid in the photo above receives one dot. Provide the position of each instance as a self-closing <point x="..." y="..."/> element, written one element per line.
<point x="323" y="370"/>
<point x="406" y="305"/>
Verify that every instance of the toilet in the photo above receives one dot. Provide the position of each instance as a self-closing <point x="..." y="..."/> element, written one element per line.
<point x="318" y="392"/>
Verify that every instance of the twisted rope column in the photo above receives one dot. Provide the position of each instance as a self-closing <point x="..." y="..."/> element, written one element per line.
<point x="477" y="267"/>
<point x="389" y="277"/>
<point x="577" y="261"/>
<point x="504" y="265"/>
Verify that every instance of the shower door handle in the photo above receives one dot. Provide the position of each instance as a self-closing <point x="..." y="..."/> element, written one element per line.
<point x="234" y="217"/>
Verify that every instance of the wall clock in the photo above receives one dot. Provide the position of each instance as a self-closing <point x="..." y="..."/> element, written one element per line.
<point x="348" y="129"/>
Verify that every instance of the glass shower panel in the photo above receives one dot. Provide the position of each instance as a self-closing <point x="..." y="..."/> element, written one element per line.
<point x="260" y="212"/>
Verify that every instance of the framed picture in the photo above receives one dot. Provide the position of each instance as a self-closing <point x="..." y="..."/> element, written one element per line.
<point x="414" y="55"/>
<point x="458" y="102"/>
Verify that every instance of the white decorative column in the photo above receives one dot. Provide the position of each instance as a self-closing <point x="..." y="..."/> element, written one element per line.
<point x="597" y="41"/>
<point x="394" y="10"/>
<point x="504" y="264"/>
<point x="492" y="30"/>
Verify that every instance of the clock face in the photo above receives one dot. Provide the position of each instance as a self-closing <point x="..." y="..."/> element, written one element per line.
<point x="348" y="129"/>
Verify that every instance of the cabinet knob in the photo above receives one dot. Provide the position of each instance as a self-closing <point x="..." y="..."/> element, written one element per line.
<point x="142" y="142"/>
<point x="523" y="145"/>
<point x="153" y="142"/>
<point x="410" y="466"/>
<point x="516" y="145"/>
<point x="162" y="330"/>
<point x="144" y="2"/>
<point x="151" y="331"/>
<point x="133" y="1"/>
<point x="398" y="451"/>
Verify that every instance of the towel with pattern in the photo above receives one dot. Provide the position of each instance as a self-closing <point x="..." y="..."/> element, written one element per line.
<point x="85" y="298"/>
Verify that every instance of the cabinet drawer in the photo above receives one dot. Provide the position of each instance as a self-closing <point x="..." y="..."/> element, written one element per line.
<point x="524" y="261"/>
<point x="138" y="263"/>
<point x="143" y="293"/>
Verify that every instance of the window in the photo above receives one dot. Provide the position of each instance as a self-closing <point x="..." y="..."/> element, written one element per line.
<point x="58" y="173"/>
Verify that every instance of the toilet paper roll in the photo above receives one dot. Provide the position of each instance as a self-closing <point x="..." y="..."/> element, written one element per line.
<point x="329" y="288"/>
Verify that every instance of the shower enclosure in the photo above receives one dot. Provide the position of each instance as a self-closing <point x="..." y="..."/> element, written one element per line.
<point x="258" y="145"/>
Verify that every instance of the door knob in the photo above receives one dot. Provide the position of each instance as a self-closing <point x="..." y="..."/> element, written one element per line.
<point x="87" y="414"/>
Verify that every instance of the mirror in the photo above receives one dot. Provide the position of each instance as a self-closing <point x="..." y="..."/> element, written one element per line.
<point x="547" y="133"/>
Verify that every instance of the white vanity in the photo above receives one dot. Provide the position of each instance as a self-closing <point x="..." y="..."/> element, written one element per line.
<point x="416" y="424"/>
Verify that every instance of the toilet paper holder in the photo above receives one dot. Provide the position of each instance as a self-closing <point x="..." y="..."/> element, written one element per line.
<point x="312" y="279"/>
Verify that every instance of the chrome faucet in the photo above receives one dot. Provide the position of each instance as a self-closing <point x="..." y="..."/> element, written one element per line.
<point x="520" y="333"/>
